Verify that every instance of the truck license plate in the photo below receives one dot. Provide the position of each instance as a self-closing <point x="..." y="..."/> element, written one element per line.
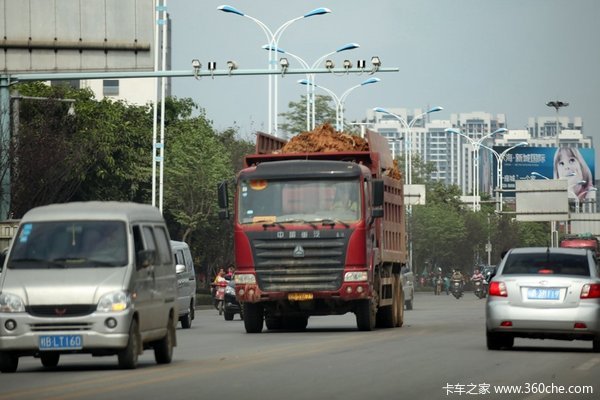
<point x="61" y="342"/>
<point x="300" y="296"/>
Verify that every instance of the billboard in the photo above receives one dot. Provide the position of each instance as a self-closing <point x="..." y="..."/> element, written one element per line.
<point x="76" y="36"/>
<point x="576" y="165"/>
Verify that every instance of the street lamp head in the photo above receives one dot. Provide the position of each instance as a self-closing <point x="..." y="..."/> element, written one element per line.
<point x="557" y="104"/>
<point x="435" y="109"/>
<point x="230" y="9"/>
<point x="500" y="130"/>
<point x="381" y="110"/>
<point x="349" y="46"/>
<point x="317" y="11"/>
<point x="370" y="80"/>
<point x="273" y="48"/>
<point x="304" y="82"/>
<point x="452" y="130"/>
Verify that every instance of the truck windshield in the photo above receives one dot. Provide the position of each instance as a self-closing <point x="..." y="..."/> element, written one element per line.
<point x="270" y="201"/>
<point x="65" y="244"/>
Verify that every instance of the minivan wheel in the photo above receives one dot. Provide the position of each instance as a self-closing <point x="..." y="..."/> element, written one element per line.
<point x="163" y="348"/>
<point x="49" y="359"/>
<point x="8" y="362"/>
<point x="128" y="357"/>
<point x="186" y="320"/>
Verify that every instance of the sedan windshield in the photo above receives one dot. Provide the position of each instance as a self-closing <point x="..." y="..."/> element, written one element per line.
<point x="308" y="201"/>
<point x="65" y="244"/>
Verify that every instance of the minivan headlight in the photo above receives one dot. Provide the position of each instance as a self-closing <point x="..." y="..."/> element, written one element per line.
<point x="114" y="302"/>
<point x="11" y="303"/>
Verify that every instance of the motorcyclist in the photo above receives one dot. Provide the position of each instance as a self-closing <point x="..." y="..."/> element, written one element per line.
<point x="457" y="276"/>
<point x="477" y="276"/>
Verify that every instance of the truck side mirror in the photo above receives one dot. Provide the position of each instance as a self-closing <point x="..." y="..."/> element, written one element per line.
<point x="223" y="200"/>
<point x="377" y="197"/>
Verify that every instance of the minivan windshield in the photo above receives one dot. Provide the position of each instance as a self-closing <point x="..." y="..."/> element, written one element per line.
<point x="66" y="244"/>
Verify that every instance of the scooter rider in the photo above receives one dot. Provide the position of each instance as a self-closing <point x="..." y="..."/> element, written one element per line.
<point x="458" y="276"/>
<point x="477" y="275"/>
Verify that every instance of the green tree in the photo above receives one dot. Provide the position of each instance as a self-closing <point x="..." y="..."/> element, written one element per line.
<point x="296" y="116"/>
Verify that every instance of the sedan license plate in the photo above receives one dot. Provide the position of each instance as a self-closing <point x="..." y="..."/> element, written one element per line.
<point x="543" y="294"/>
<point x="61" y="342"/>
<point x="300" y="296"/>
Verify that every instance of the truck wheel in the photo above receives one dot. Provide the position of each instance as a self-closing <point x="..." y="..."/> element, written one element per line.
<point x="163" y="348"/>
<point x="399" y="301"/>
<point x="128" y="357"/>
<point x="8" y="362"/>
<point x="365" y="315"/>
<point x="50" y="359"/>
<point x="253" y="317"/>
<point x="273" y="323"/>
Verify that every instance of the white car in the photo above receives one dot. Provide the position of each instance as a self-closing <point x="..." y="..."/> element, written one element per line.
<point x="544" y="293"/>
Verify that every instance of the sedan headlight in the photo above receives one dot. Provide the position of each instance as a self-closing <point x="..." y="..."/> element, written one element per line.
<point x="114" y="301"/>
<point x="11" y="303"/>
<point x="355" y="276"/>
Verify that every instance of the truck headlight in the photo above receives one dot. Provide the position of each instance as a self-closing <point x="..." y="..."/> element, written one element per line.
<point x="245" y="279"/>
<point x="11" y="303"/>
<point x="114" y="302"/>
<point x="355" y="276"/>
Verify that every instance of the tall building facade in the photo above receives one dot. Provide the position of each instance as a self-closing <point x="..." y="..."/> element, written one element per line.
<point x="454" y="155"/>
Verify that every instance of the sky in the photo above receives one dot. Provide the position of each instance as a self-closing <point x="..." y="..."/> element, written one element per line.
<point x="497" y="56"/>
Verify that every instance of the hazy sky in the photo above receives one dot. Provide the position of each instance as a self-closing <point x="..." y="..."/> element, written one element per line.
<point x="496" y="56"/>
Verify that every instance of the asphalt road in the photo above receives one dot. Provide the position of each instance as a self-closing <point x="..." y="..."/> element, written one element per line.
<point x="439" y="353"/>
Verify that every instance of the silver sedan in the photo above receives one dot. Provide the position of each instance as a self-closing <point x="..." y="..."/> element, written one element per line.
<point x="544" y="293"/>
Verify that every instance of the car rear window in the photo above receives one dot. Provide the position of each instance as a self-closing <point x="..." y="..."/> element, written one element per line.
<point x="543" y="263"/>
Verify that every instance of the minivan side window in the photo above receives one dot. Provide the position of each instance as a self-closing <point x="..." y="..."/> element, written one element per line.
<point x="162" y="244"/>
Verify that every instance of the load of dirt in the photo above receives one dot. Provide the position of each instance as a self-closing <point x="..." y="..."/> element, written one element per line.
<point x="324" y="139"/>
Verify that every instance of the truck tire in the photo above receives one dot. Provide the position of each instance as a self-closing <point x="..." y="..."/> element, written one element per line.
<point x="399" y="300"/>
<point x="253" y="317"/>
<point x="365" y="315"/>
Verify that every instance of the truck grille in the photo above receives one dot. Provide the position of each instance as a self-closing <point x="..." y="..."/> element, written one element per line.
<point x="301" y="262"/>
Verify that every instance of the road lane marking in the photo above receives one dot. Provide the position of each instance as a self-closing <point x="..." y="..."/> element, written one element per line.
<point x="588" y="364"/>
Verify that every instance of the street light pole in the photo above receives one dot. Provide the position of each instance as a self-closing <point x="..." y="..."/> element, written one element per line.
<point x="408" y="162"/>
<point x="475" y="144"/>
<point x="310" y="89"/>
<point x="557" y="105"/>
<point x="339" y="100"/>
<point x="499" y="161"/>
<point x="273" y="39"/>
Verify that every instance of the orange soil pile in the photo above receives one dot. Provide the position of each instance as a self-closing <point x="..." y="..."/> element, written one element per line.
<point x="324" y="139"/>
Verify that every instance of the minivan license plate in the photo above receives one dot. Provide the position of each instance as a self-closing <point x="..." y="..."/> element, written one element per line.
<point x="543" y="294"/>
<point x="61" y="342"/>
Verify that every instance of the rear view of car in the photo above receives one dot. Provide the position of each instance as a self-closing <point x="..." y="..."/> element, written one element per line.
<point x="544" y="293"/>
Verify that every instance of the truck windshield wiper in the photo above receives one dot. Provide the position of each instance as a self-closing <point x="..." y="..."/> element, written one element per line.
<point x="272" y="224"/>
<point x="332" y="222"/>
<point x="289" y="221"/>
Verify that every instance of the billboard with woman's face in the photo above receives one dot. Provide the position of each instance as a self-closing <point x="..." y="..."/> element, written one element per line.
<point x="577" y="165"/>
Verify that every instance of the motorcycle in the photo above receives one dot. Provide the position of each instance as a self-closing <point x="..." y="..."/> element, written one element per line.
<point x="219" y="295"/>
<point x="456" y="289"/>
<point x="437" y="289"/>
<point x="479" y="289"/>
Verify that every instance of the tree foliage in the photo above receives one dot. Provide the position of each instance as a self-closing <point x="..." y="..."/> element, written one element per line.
<point x="296" y="116"/>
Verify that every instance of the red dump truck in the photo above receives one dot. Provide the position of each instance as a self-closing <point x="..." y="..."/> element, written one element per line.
<point x="318" y="233"/>
<point x="582" y="241"/>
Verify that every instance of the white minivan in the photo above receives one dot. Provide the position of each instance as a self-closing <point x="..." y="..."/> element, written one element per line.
<point x="186" y="282"/>
<point x="88" y="277"/>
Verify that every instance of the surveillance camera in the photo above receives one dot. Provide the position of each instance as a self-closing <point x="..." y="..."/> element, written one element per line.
<point x="212" y="65"/>
<point x="283" y="62"/>
<point x="361" y="64"/>
<point x="329" y="64"/>
<point x="376" y="61"/>
<point x="347" y="64"/>
<point x="196" y="64"/>
<point x="231" y="65"/>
